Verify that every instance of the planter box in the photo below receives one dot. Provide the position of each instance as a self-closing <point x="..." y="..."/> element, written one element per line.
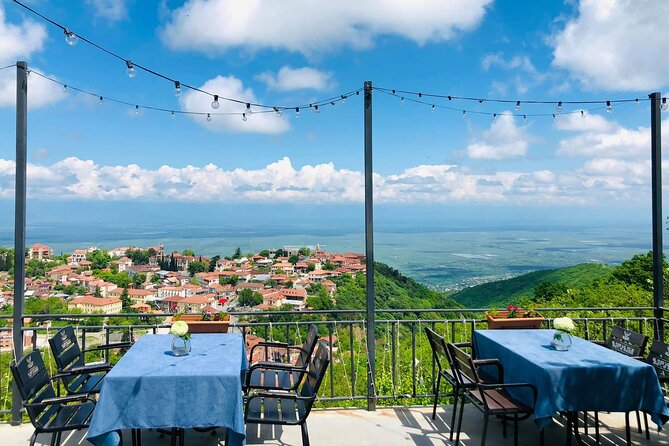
<point x="197" y="325"/>
<point x="501" y="322"/>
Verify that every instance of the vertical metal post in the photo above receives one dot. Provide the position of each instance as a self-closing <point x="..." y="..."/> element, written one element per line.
<point x="656" y="180"/>
<point x="20" y="223"/>
<point x="369" y="249"/>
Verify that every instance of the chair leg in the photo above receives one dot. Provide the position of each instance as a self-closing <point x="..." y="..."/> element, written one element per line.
<point x="569" y="429"/>
<point x="305" y="434"/>
<point x="645" y="424"/>
<point x="456" y="393"/>
<point x="597" y="428"/>
<point x="462" y="409"/>
<point x="638" y="422"/>
<point x="515" y="430"/>
<point x="33" y="438"/>
<point x="436" y="397"/>
<point x="628" y="435"/>
<point x="541" y="437"/>
<point x="504" y="427"/>
<point x="485" y="428"/>
<point x="585" y="423"/>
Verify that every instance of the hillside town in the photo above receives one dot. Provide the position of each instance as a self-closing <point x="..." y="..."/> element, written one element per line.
<point x="151" y="280"/>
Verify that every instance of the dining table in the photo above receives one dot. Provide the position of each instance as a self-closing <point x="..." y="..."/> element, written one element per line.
<point x="151" y="388"/>
<point x="586" y="377"/>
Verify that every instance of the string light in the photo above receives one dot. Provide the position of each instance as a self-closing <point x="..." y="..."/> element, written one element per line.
<point x="317" y="110"/>
<point x="559" y="107"/>
<point x="174" y="115"/>
<point x="130" y="69"/>
<point x="177" y="88"/>
<point x="244" y="118"/>
<point x="524" y="119"/>
<point x="297" y="112"/>
<point x="70" y="38"/>
<point x="433" y="108"/>
<point x="64" y="88"/>
<point x="494" y="117"/>
<point x="343" y="98"/>
<point x="664" y="105"/>
<point x="554" y="117"/>
<point x="136" y="109"/>
<point x="609" y="108"/>
<point x="248" y="109"/>
<point x="214" y="103"/>
<point x="582" y="114"/>
<point x="278" y="112"/>
<point x="464" y="112"/>
<point x="208" y="117"/>
<point x="402" y="100"/>
<point x="517" y="105"/>
<point x="101" y="100"/>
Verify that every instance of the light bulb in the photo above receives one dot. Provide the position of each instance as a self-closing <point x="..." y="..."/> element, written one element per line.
<point x="71" y="38"/>
<point x="101" y="100"/>
<point x="64" y="88"/>
<point x="664" y="105"/>
<point x="524" y="119"/>
<point x="208" y="117"/>
<point x="297" y="112"/>
<point x="215" y="103"/>
<point x="174" y="115"/>
<point x="244" y="118"/>
<point x="480" y="101"/>
<point x="464" y="112"/>
<point x="494" y="117"/>
<point x="554" y="117"/>
<point x="343" y="98"/>
<point x="559" y="107"/>
<point x="136" y="109"/>
<point x="317" y="110"/>
<point x="402" y="100"/>
<point x="131" y="69"/>
<point x="433" y="107"/>
<point x="609" y="108"/>
<point x="333" y="103"/>
<point x="177" y="88"/>
<point x="278" y="112"/>
<point x="517" y="105"/>
<point x="582" y="114"/>
<point x="249" y="112"/>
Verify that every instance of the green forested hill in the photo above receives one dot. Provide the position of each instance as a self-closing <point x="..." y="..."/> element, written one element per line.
<point x="503" y="292"/>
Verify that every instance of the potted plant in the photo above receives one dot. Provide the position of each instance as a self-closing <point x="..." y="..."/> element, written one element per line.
<point x="514" y="318"/>
<point x="205" y="322"/>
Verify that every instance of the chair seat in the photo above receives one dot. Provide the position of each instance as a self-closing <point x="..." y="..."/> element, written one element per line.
<point x="68" y="417"/>
<point x="498" y="402"/>
<point x="86" y="383"/>
<point x="275" y="410"/>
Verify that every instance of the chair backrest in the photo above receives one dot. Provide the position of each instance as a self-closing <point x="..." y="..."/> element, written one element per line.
<point x="439" y="349"/>
<point x="65" y="349"/>
<point x="314" y="377"/>
<point x="308" y="346"/>
<point x="658" y="357"/>
<point x="463" y="366"/>
<point x="627" y="342"/>
<point x="34" y="384"/>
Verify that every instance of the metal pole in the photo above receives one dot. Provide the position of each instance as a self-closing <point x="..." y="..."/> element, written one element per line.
<point x="369" y="249"/>
<point x="656" y="179"/>
<point x="20" y="223"/>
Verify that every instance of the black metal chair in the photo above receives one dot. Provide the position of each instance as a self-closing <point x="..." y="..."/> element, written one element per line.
<point x="490" y="398"/>
<point x="49" y="413"/>
<point x="79" y="377"/>
<point x="290" y="408"/>
<point x="277" y="375"/>
<point x="632" y="344"/>
<point x="441" y="357"/>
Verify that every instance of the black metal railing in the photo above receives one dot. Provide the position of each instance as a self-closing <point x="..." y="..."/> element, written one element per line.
<point x="405" y="370"/>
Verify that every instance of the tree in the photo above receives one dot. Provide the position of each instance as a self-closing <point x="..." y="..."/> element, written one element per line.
<point x="547" y="291"/>
<point x="329" y="266"/>
<point x="99" y="259"/>
<point x="138" y="256"/>
<point x="304" y="251"/>
<point x="228" y="280"/>
<point x="311" y="267"/>
<point x="237" y="254"/>
<point x="212" y="263"/>
<point x="264" y="253"/>
<point x="293" y="259"/>
<point x="638" y="271"/>
<point x="139" y="278"/>
<point x="35" y="268"/>
<point x="321" y="300"/>
<point x="248" y="298"/>
<point x="97" y="292"/>
<point x="155" y="279"/>
<point x="125" y="301"/>
<point x="280" y="253"/>
<point x="197" y="266"/>
<point x="188" y="252"/>
<point x="152" y="252"/>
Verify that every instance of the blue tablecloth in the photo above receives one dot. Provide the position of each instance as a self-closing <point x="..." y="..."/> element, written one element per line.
<point x="586" y="377"/>
<point x="152" y="388"/>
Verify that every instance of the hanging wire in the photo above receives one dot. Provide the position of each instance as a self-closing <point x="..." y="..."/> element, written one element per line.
<point x="127" y="62"/>
<point x="464" y="112"/>
<point x="8" y="66"/>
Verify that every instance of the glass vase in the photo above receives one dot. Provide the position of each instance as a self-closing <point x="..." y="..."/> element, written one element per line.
<point x="180" y="346"/>
<point x="561" y="340"/>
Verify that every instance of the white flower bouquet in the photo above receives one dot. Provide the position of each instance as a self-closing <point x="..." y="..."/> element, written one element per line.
<point x="564" y="324"/>
<point x="180" y="329"/>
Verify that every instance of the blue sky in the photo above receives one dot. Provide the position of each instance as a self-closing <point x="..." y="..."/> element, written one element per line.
<point x="298" y="52"/>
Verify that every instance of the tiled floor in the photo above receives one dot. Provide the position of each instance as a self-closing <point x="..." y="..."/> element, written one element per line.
<point x="386" y="427"/>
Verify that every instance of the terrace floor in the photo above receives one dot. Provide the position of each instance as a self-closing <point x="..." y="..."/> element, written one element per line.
<point x="410" y="426"/>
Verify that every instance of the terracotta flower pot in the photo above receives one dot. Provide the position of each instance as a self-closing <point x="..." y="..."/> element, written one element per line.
<point x="197" y="325"/>
<point x="500" y="321"/>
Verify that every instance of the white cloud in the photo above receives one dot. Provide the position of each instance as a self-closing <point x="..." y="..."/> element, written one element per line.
<point x="616" y="44"/>
<point x="313" y="27"/>
<point x="21" y="41"/>
<point x="281" y="182"/>
<point x="230" y="87"/>
<point x="289" y="78"/>
<point x="112" y="10"/>
<point x="503" y="140"/>
<point x="498" y="60"/>
<point x="600" y="138"/>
